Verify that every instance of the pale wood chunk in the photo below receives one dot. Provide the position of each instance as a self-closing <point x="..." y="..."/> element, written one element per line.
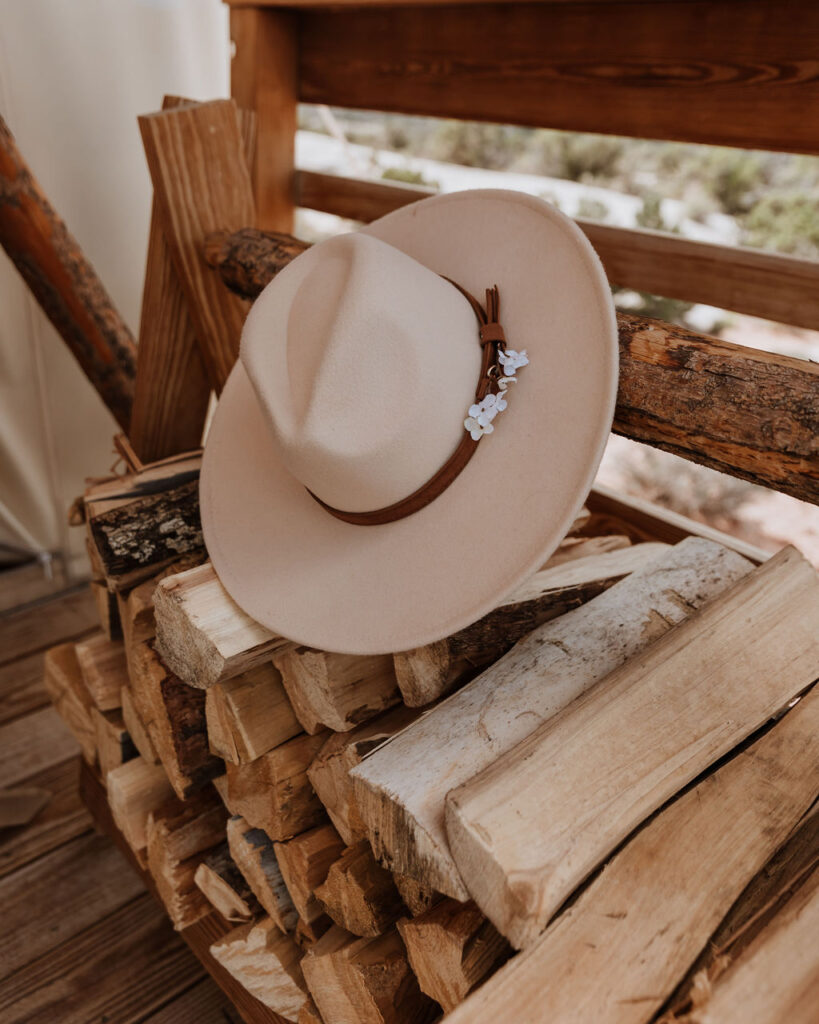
<point x="103" y="667"/>
<point x="576" y="780"/>
<point x="273" y="792"/>
<point x="364" y="980"/>
<point x="776" y="979"/>
<point x="266" y="963"/>
<point x="576" y="575"/>
<point x="134" y="790"/>
<point x="136" y="728"/>
<point x="179" y="834"/>
<point x="416" y="897"/>
<point x="329" y="773"/>
<point x="114" y="744"/>
<point x="249" y="715"/>
<point x="360" y="895"/>
<point x="304" y="862"/>
<point x="66" y="687"/>
<point x="541" y="675"/>
<point x="452" y="947"/>
<point x="339" y="691"/>
<point x="309" y="1014"/>
<point x="174" y="714"/>
<point x="620" y="949"/>
<point x="202" y="634"/>
<point x="254" y="855"/>
<point x="224" y="886"/>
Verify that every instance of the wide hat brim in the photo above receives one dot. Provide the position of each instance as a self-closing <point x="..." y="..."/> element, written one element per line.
<point x="376" y="589"/>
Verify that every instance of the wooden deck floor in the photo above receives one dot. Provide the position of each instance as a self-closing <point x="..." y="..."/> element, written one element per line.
<point x="82" y="942"/>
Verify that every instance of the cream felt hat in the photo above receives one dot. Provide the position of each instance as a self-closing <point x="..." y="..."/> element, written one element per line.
<point x="357" y="374"/>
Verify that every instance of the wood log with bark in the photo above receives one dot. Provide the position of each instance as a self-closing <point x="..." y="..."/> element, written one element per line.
<point x="104" y="670"/>
<point x="304" y="862"/>
<point x="254" y="854"/>
<point x="113" y="742"/>
<point x="404" y="812"/>
<point x="64" y="283"/>
<point x="134" y="790"/>
<point x="225" y="887"/>
<point x="697" y="693"/>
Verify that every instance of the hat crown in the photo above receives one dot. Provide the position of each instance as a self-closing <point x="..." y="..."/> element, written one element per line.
<point x="364" y="362"/>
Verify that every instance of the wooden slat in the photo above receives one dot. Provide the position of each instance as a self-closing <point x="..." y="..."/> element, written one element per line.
<point x="87" y="873"/>
<point x="201" y="183"/>
<point x="702" y="71"/>
<point x="263" y="80"/>
<point x="45" y="623"/>
<point x="205" y="1003"/>
<point x="33" y="743"/>
<point x="743" y="280"/>
<point x="62" y="819"/>
<point x="21" y="687"/>
<point x="119" y="969"/>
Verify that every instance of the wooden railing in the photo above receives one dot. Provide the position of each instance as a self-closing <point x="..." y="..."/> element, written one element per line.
<point x="737" y="73"/>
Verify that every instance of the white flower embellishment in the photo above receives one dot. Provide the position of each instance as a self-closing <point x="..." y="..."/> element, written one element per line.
<point x="511" y="360"/>
<point x="480" y="415"/>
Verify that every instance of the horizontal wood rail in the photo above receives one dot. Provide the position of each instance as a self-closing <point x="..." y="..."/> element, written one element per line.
<point x="729" y="74"/>
<point x="760" y="284"/>
<point x="735" y="409"/>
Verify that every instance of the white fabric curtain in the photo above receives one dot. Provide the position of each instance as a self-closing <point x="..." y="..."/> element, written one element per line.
<point x="74" y="75"/>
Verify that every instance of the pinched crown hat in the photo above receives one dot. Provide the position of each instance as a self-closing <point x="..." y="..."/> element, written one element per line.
<point x="414" y="421"/>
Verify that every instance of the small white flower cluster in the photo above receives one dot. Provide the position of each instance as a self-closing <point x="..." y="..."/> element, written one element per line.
<point x="479" y="419"/>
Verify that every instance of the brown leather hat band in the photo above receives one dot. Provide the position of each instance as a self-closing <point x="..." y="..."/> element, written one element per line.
<point x="493" y="341"/>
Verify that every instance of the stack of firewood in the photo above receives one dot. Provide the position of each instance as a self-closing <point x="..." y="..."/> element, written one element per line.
<point x="383" y="832"/>
<point x="612" y="772"/>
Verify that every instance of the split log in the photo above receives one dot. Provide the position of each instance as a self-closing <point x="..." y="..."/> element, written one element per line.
<point x="360" y="895"/>
<point x="64" y="282"/>
<point x="616" y="954"/>
<point x="201" y="185"/>
<point x="365" y="980"/>
<point x="417" y="898"/>
<point x="309" y="1014"/>
<point x="249" y="259"/>
<point x="429" y="673"/>
<point x="763" y="897"/>
<point x="336" y="691"/>
<point x="103" y="667"/>
<point x="171" y="392"/>
<point x="735" y="409"/>
<point x="266" y="963"/>
<point x="329" y="773"/>
<point x="136" y="728"/>
<point x="776" y="979"/>
<point x="452" y="948"/>
<point x="224" y="886"/>
<point x="249" y="715"/>
<point x="404" y="811"/>
<point x="696" y="693"/>
<point x="304" y="863"/>
<point x="273" y="792"/>
<point x="134" y="790"/>
<point x="113" y="742"/>
<point x="174" y="714"/>
<point x="21" y="805"/>
<point x="202" y="634"/>
<point x="254" y="855"/>
<point x="144" y="521"/>
<point x="107" y="609"/>
<point x="179" y="834"/>
<point x="308" y="933"/>
<point x="65" y="686"/>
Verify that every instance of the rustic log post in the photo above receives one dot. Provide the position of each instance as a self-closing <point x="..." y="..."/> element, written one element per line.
<point x="64" y="282"/>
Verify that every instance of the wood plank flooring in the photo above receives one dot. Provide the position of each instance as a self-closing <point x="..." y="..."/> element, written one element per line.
<point x="82" y="942"/>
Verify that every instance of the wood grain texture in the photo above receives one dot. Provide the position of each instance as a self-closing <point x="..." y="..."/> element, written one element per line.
<point x="40" y="625"/>
<point x="735" y="409"/>
<point x="172" y="390"/>
<point x="616" y="953"/>
<point x="359" y="895"/>
<point x="694" y="695"/>
<point x="252" y="850"/>
<point x="541" y="675"/>
<point x="304" y="862"/>
<point x="763" y="284"/>
<point x="263" y="79"/>
<point x="201" y="184"/>
<point x="33" y="743"/>
<point x="64" y="283"/>
<point x="626" y="69"/>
